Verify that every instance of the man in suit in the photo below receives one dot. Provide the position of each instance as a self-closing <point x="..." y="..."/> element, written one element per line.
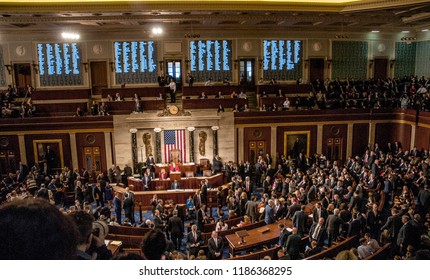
<point x="117" y="206"/>
<point x="194" y="241"/>
<point x="293" y="208"/>
<point x="146" y="182"/>
<point x="423" y="200"/>
<point x="283" y="236"/>
<point x="176" y="185"/>
<point x="98" y="195"/>
<point x="157" y="220"/>
<point x="131" y="196"/>
<point x="204" y="191"/>
<point x="215" y="246"/>
<point x="393" y="225"/>
<point x="318" y="232"/>
<point x="251" y="209"/>
<point x="319" y="212"/>
<point x="127" y="173"/>
<point x="300" y="220"/>
<point x="404" y="239"/>
<point x="266" y="185"/>
<point x="247" y="185"/>
<point x="293" y="245"/>
<point x="201" y="217"/>
<point x="269" y="213"/>
<point x="333" y="226"/>
<point x="176" y="228"/>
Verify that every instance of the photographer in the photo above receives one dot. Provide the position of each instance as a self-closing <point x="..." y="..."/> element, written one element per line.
<point x="91" y="237"/>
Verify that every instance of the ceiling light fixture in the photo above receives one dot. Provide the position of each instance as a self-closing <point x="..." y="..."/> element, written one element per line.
<point x="70" y="36"/>
<point x="157" y="31"/>
<point x="375" y="31"/>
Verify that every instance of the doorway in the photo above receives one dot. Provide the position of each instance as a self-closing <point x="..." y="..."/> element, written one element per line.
<point x="7" y="162"/>
<point x="381" y="68"/>
<point x="99" y="76"/>
<point x="22" y="75"/>
<point x="256" y="149"/>
<point x="174" y="70"/>
<point x="316" y="69"/>
<point x="92" y="161"/>
<point x="246" y="74"/>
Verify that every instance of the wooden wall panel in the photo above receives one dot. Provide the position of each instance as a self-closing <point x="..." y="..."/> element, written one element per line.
<point x="10" y="153"/>
<point x="391" y="132"/>
<point x="360" y="138"/>
<point x="422" y="137"/>
<point x="65" y="139"/>
<point x="91" y="140"/>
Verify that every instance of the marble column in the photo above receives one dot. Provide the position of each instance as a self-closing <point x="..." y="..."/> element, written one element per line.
<point x="191" y="137"/>
<point x="215" y="139"/>
<point x="74" y="150"/>
<point x="157" y="145"/>
<point x="22" y="149"/>
<point x="133" y="132"/>
<point x="319" y="138"/>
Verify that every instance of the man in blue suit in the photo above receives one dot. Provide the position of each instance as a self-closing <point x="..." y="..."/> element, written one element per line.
<point x="269" y="213"/>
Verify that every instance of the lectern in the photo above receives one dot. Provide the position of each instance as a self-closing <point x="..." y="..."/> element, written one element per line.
<point x="175" y="175"/>
<point x="242" y="234"/>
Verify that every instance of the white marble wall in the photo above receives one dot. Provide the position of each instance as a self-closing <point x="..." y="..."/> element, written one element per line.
<point x="146" y="122"/>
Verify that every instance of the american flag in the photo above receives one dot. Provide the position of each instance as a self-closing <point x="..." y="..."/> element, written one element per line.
<point x="174" y="139"/>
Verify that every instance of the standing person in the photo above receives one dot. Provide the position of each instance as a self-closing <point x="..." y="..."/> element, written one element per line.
<point x="172" y="88"/>
<point x="127" y="205"/>
<point x="131" y="196"/>
<point x="215" y="246"/>
<point x="190" y="79"/>
<point x="117" y="206"/>
<point x="176" y="228"/>
<point x="194" y="241"/>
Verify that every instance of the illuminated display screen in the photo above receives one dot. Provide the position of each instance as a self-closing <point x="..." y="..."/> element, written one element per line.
<point x="282" y="59"/>
<point x="59" y="59"/>
<point x="135" y="57"/>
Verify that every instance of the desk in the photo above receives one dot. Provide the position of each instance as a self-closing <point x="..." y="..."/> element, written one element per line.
<point x="213" y="103"/>
<point x="255" y="238"/>
<point x="186" y="182"/>
<point x="182" y="167"/>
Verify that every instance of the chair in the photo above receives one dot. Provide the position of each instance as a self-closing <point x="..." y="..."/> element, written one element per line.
<point x="189" y="174"/>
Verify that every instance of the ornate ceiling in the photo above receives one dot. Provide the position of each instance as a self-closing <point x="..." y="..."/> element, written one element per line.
<point x="336" y="16"/>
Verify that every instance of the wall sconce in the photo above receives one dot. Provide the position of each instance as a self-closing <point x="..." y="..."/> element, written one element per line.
<point x="112" y="66"/>
<point x="371" y="63"/>
<point x="191" y="128"/>
<point x="161" y="64"/>
<point x="392" y="62"/>
<point x="306" y="62"/>
<point x="157" y="129"/>
<point x="35" y="67"/>
<point x="235" y="63"/>
<point x="85" y="64"/>
<point x="8" y="68"/>
<point x="329" y="61"/>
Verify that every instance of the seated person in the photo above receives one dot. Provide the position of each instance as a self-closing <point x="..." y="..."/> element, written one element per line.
<point x="208" y="82"/>
<point x="286" y="104"/>
<point x="174" y="167"/>
<point x="274" y="107"/>
<point x="242" y="95"/>
<point x="163" y="174"/>
<point x="220" y="108"/>
<point x="261" y="81"/>
<point x="236" y="108"/>
<point x="118" y="97"/>
<point x="203" y="95"/>
<point x="220" y="225"/>
<point x="233" y="94"/>
<point x="264" y="95"/>
<point x="226" y="82"/>
<point x="176" y="185"/>
<point x="109" y="98"/>
<point x="79" y="112"/>
<point x="246" y="221"/>
<point x="219" y="95"/>
<point x="245" y="108"/>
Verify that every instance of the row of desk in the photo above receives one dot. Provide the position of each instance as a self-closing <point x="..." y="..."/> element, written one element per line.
<point x="193" y="183"/>
<point x="213" y="103"/>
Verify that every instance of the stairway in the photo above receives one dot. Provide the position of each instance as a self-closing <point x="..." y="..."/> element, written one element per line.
<point x="252" y="100"/>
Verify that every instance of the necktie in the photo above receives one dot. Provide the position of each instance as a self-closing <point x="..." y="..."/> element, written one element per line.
<point x="195" y="237"/>
<point x="317" y="231"/>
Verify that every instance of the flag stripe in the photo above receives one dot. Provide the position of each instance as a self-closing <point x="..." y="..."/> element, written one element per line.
<point x="174" y="139"/>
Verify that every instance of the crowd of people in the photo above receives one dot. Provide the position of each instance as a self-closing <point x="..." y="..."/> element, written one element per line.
<point x="11" y="107"/>
<point x="381" y="196"/>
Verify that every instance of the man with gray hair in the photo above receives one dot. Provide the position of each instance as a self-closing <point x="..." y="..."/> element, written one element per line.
<point x="333" y="226"/>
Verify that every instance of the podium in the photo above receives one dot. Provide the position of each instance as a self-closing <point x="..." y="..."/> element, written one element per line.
<point x="175" y="175"/>
<point x="242" y="234"/>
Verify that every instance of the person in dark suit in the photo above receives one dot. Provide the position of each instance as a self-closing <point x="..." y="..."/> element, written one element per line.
<point x="373" y="221"/>
<point x="127" y="205"/>
<point x="266" y="185"/>
<point x="215" y="246"/>
<point x="117" y="206"/>
<point x="176" y="228"/>
<point x="157" y="220"/>
<point x="204" y="191"/>
<point x="176" y="185"/>
<point x="146" y="182"/>
<point x="293" y="245"/>
<point x="423" y="200"/>
<point x="251" y="209"/>
<point x="319" y="212"/>
<point x="318" y="232"/>
<point x="269" y="213"/>
<point x="201" y="217"/>
<point x="404" y="238"/>
<point x="293" y="208"/>
<point x="333" y="226"/>
<point x="98" y="195"/>
<point x="194" y="241"/>
<point x="283" y="235"/>
<point x="300" y="219"/>
<point x="393" y="225"/>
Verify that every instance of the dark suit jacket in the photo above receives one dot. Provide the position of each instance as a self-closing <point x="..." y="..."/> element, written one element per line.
<point x="200" y="220"/>
<point x="300" y="222"/>
<point x="321" y="235"/>
<point x="190" y="241"/>
<point x="333" y="224"/>
<point x="283" y="236"/>
<point x="393" y="224"/>
<point x="293" y="245"/>
<point x="324" y="214"/>
<point x="175" y="225"/>
<point x="215" y="248"/>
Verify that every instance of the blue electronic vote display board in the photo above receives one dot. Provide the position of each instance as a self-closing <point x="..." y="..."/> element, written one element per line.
<point x="282" y="59"/>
